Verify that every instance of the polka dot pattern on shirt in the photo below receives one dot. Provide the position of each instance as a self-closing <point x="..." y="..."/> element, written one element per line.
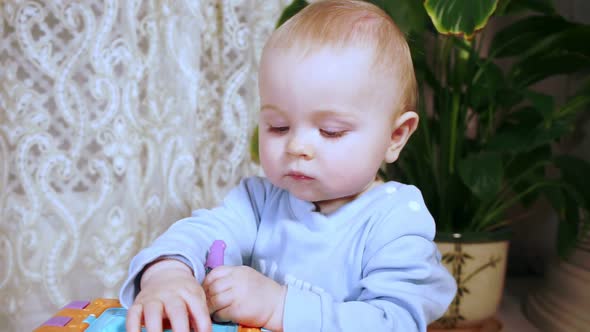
<point x="390" y="190"/>
<point x="413" y="205"/>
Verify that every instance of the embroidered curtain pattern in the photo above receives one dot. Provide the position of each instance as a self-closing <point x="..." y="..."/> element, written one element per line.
<point x="116" y="118"/>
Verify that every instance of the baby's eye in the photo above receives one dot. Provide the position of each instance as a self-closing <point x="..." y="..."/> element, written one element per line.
<point x="332" y="133"/>
<point x="278" y="130"/>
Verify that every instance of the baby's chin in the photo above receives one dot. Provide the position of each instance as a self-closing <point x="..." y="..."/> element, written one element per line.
<point x="305" y="195"/>
<point x="329" y="204"/>
<point x="314" y="193"/>
<point x="309" y="195"/>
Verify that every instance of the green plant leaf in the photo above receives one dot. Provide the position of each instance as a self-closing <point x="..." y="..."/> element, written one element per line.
<point x="533" y="70"/>
<point x="460" y="17"/>
<point x="422" y="68"/>
<point x="578" y="102"/>
<point x="469" y="182"/>
<point x="570" y="223"/>
<point x="575" y="172"/>
<point x="576" y="197"/>
<point x="516" y="140"/>
<point x="560" y="42"/>
<point x="543" y="103"/>
<point x="522" y="118"/>
<point x="409" y="16"/>
<point x="482" y="174"/>
<point x="524" y="162"/>
<point x="293" y="8"/>
<point x="525" y="170"/>
<point x="254" y="154"/>
<point x="519" y="6"/>
<point x="557" y="53"/>
<point x="509" y="97"/>
<point x="510" y="140"/>
<point x="522" y="35"/>
<point x="567" y="233"/>
<point x="486" y="86"/>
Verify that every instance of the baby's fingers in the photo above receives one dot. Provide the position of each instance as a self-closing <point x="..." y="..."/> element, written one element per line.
<point x="219" y="301"/>
<point x="199" y="314"/>
<point x="134" y="318"/>
<point x="153" y="311"/>
<point x="177" y="315"/>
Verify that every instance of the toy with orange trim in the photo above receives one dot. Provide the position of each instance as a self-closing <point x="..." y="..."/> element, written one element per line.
<point x="107" y="315"/>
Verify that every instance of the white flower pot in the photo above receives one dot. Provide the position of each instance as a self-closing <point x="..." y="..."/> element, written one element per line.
<point x="477" y="261"/>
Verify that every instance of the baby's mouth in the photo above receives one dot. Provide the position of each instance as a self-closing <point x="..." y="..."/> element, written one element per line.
<point x="299" y="176"/>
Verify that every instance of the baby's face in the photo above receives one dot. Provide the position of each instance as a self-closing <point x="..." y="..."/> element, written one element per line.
<point x="325" y="123"/>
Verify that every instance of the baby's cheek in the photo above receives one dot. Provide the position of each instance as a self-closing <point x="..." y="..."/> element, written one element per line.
<point x="345" y="169"/>
<point x="273" y="148"/>
<point x="354" y="170"/>
<point x="269" y="159"/>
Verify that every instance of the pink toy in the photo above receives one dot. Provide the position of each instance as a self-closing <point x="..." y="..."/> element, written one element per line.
<point x="215" y="256"/>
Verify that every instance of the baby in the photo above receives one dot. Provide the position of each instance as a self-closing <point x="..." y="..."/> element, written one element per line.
<point x="320" y="243"/>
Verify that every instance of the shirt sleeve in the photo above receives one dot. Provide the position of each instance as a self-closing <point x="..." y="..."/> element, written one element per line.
<point x="235" y="222"/>
<point x="403" y="286"/>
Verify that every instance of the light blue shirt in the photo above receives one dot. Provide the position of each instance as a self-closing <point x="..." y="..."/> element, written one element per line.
<point x="371" y="265"/>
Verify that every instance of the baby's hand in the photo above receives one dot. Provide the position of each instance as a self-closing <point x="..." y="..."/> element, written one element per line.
<point x="169" y="290"/>
<point x="245" y="296"/>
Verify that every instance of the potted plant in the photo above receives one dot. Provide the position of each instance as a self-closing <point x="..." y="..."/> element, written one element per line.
<point x="486" y="138"/>
<point x="487" y="141"/>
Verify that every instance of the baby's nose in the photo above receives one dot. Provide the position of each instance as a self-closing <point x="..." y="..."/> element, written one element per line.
<point x="299" y="148"/>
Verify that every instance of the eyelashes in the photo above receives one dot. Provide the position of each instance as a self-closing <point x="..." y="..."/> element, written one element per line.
<point x="332" y="134"/>
<point x="280" y="130"/>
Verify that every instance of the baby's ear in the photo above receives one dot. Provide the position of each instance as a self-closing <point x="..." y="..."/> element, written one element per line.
<point x="403" y="128"/>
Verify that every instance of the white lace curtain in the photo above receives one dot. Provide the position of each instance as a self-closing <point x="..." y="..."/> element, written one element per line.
<point x="116" y="118"/>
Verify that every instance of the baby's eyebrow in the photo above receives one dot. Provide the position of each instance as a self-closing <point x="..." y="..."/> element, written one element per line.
<point x="270" y="107"/>
<point x="331" y="114"/>
<point x="343" y="115"/>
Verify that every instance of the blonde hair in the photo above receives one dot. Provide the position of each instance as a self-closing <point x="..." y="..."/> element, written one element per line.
<point x="345" y="23"/>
